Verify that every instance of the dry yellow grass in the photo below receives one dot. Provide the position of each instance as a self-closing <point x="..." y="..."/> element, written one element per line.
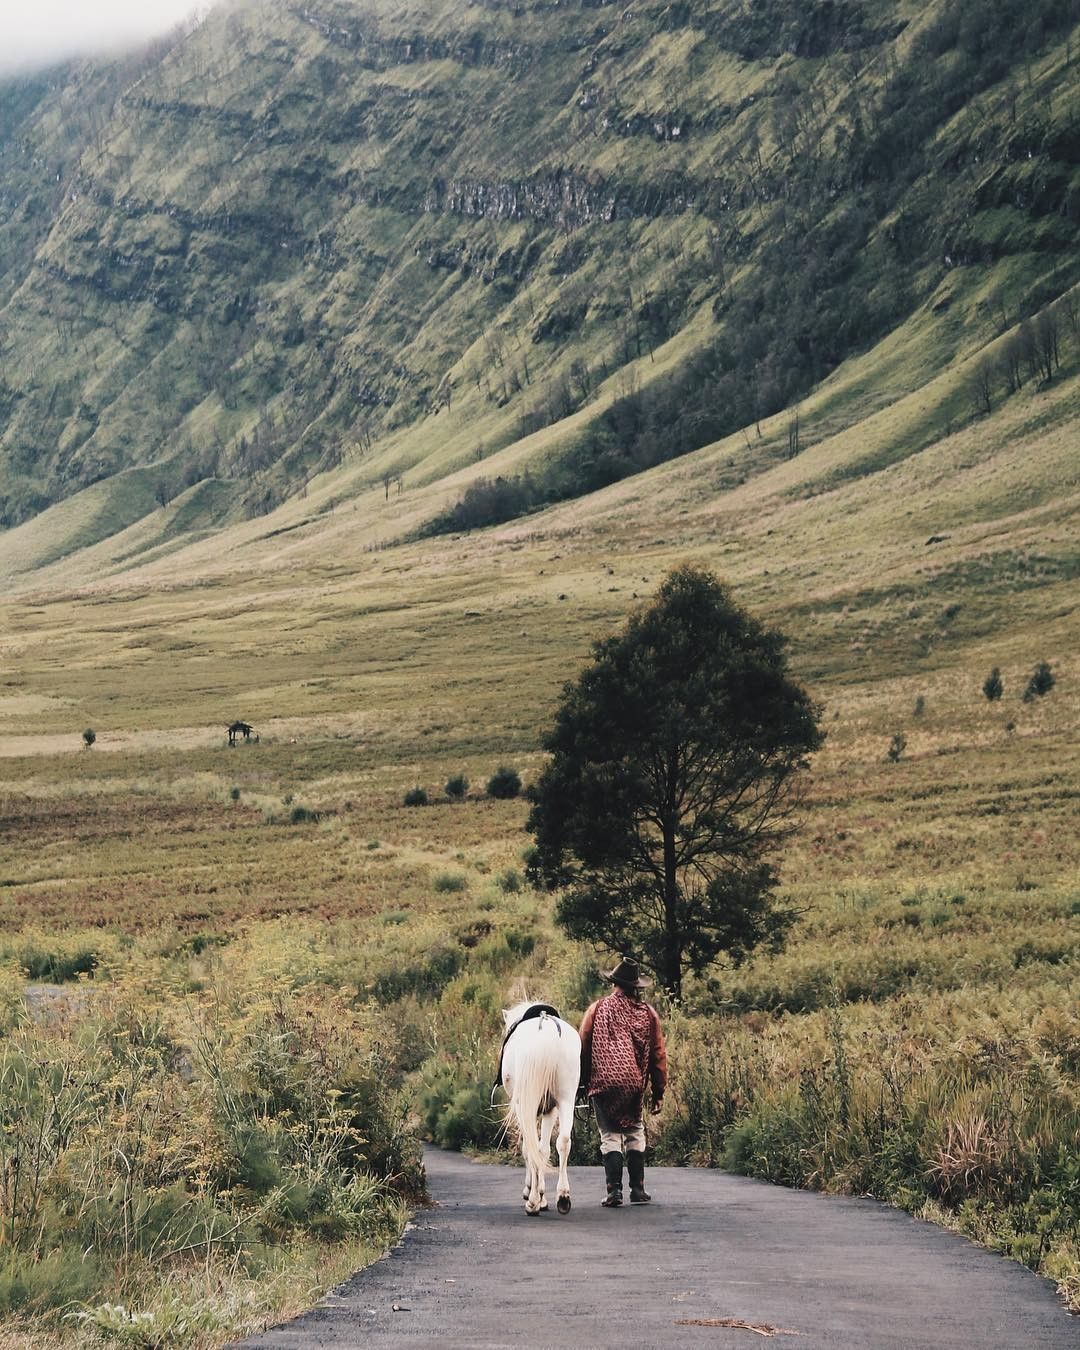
<point x="939" y="894"/>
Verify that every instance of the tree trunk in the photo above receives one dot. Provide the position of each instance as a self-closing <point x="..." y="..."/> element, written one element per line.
<point x="671" y="962"/>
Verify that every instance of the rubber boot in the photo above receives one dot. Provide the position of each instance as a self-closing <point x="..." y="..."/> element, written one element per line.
<point x="613" y="1165"/>
<point x="635" y="1170"/>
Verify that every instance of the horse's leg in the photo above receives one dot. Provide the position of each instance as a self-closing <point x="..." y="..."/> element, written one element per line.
<point x="534" y="1195"/>
<point x="547" y="1124"/>
<point x="528" y="1176"/>
<point x="566" y="1125"/>
<point x="508" y="1088"/>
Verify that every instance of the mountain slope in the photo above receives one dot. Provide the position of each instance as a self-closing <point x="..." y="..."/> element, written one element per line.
<point x="404" y="240"/>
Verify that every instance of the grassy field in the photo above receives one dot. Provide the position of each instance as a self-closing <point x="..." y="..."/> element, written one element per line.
<point x="238" y="984"/>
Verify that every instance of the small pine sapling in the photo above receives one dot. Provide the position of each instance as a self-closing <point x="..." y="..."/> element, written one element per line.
<point x="993" y="685"/>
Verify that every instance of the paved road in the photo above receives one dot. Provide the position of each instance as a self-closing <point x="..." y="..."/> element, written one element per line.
<point x="844" y="1274"/>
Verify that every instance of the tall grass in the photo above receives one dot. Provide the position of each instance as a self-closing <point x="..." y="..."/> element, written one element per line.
<point x="937" y="1105"/>
<point x="144" y="1132"/>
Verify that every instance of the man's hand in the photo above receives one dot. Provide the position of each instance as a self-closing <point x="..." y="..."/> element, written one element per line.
<point x="657" y="1106"/>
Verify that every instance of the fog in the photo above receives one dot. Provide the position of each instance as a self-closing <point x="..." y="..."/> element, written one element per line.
<point x="35" y="33"/>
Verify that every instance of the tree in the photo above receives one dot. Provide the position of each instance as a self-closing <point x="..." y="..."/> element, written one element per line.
<point x="504" y="783"/>
<point x="1047" y="343"/>
<point x="1040" y="682"/>
<point x="793" y="435"/>
<point x="1010" y="364"/>
<point x="993" y="685"/>
<point x="674" y="759"/>
<point x="89" y="737"/>
<point x="981" y="387"/>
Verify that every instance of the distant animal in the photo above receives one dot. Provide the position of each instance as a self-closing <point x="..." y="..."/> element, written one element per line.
<point x="539" y="1070"/>
<point x="240" y="729"/>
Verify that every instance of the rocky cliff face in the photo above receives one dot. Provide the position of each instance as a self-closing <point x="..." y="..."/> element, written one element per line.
<point x="259" y="245"/>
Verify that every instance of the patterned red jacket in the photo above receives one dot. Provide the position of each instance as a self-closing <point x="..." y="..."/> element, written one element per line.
<point x="647" y="1054"/>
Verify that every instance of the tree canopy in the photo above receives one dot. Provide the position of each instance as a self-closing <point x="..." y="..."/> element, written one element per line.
<point x="674" y="759"/>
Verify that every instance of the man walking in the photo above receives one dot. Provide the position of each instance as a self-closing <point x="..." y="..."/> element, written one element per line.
<point x="622" y="1051"/>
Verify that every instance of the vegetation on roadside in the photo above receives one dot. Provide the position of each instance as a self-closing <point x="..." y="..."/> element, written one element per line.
<point x="184" y="1132"/>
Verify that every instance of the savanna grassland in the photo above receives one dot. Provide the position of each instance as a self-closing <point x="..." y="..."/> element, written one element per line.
<point x="240" y="984"/>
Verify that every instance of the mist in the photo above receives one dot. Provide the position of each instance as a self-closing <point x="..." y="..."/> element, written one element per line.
<point x="37" y="33"/>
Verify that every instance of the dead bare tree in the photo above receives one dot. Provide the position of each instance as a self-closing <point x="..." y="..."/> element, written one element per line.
<point x="1047" y="343"/>
<point x="981" y="386"/>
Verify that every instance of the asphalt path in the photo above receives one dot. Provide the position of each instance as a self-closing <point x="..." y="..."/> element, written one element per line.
<point x="822" y="1272"/>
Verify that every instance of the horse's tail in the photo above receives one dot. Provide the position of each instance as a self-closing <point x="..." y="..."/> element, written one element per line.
<point x="535" y="1081"/>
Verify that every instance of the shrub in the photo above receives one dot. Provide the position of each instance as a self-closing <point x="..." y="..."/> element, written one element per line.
<point x="456" y="787"/>
<point x="488" y="502"/>
<point x="89" y="737"/>
<point x="456" y="1109"/>
<point x="920" y="706"/>
<point x="449" y="882"/>
<point x="279" y="1124"/>
<point x="58" y="967"/>
<point x="426" y="979"/>
<point x="897" y="746"/>
<point x="993" y="685"/>
<point x="1040" y="682"/>
<point x="504" y="783"/>
<point x="59" y="1278"/>
<point x="234" y="794"/>
<point x="303" y="815"/>
<point x="202" y="942"/>
<point x="510" y="881"/>
<point x="501" y="953"/>
<point x="416" y="797"/>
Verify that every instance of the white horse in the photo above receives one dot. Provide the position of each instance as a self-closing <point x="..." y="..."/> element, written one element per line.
<point x="541" y="1060"/>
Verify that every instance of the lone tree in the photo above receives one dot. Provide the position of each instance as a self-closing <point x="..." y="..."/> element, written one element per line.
<point x="1040" y="682"/>
<point x="993" y="685"/>
<point x="675" y="755"/>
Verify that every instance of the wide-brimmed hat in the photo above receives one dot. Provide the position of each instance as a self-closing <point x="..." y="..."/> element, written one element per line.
<point x="628" y="972"/>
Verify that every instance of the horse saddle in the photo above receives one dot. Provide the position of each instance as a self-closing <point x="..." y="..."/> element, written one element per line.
<point x="533" y="1011"/>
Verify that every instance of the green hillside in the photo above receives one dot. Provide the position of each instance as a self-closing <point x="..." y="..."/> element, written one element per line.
<point x="406" y="239"/>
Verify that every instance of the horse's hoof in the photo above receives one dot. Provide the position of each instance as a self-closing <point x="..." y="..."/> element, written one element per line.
<point x="543" y="1206"/>
<point x="532" y="1213"/>
<point x="563" y="1204"/>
